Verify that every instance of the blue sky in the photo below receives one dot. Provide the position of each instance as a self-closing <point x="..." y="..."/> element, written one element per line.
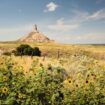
<point x="66" y="21"/>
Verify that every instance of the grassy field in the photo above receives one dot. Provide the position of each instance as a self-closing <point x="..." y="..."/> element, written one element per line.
<point x="65" y="50"/>
<point x="75" y="77"/>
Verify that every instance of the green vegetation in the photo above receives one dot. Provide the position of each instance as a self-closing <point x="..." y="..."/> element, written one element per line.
<point x="7" y="53"/>
<point x="76" y="77"/>
<point x="25" y="49"/>
<point x="82" y="83"/>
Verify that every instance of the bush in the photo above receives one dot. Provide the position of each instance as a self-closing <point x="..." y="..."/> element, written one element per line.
<point x="25" y="49"/>
<point x="7" y="53"/>
<point x="36" y="52"/>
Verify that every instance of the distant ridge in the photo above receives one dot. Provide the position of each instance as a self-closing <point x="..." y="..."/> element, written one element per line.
<point x="35" y="36"/>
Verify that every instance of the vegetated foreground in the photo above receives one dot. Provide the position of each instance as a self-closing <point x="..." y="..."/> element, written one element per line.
<point x="77" y="78"/>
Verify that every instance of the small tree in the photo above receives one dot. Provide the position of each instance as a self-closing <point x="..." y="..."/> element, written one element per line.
<point x="22" y="49"/>
<point x="25" y="49"/>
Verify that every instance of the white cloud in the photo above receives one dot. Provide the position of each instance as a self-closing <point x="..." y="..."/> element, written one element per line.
<point x="97" y="15"/>
<point x="51" y="7"/>
<point x="79" y="18"/>
<point x="68" y="28"/>
<point x="60" y="25"/>
<point x="82" y="16"/>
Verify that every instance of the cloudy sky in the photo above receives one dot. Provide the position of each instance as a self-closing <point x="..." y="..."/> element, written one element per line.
<point x="66" y="21"/>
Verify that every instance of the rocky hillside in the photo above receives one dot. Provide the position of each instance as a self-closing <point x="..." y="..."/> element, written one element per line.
<point x="35" y="36"/>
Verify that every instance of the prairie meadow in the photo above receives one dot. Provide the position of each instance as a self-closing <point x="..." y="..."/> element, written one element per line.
<point x="68" y="75"/>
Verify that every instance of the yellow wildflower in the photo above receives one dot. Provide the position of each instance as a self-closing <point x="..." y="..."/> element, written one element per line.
<point x="87" y="82"/>
<point x="69" y="81"/>
<point x="4" y="90"/>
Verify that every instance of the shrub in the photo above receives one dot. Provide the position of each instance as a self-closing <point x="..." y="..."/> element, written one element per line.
<point x="25" y="49"/>
<point x="7" y="53"/>
<point x="36" y="52"/>
<point x="22" y="49"/>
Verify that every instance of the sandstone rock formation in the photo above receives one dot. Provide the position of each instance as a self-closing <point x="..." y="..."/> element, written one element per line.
<point x="35" y="36"/>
